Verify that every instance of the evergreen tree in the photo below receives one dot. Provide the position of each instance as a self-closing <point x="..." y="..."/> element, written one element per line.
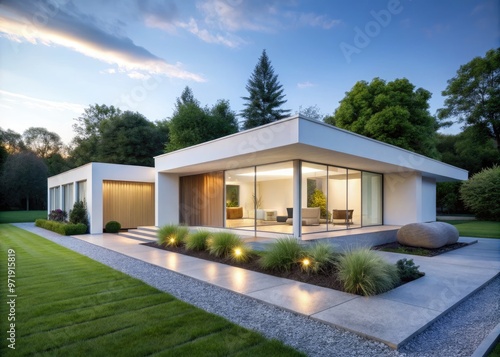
<point x="265" y="96"/>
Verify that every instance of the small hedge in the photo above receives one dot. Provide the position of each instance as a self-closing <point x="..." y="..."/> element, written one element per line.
<point x="65" y="229"/>
<point x="113" y="227"/>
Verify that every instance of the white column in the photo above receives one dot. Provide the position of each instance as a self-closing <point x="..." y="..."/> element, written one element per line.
<point x="297" y="199"/>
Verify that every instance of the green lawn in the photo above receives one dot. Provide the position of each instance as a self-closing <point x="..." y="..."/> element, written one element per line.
<point x="70" y="305"/>
<point x="21" y="216"/>
<point x="480" y="229"/>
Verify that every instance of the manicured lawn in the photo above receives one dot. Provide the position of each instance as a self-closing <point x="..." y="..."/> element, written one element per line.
<point x="21" y="216"/>
<point x="480" y="229"/>
<point x="70" y="305"/>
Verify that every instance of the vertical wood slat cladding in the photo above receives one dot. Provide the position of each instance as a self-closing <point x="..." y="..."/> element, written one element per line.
<point x="202" y="200"/>
<point x="130" y="203"/>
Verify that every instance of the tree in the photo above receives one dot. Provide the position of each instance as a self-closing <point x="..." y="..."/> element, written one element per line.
<point x="481" y="194"/>
<point x="42" y="142"/>
<point x="191" y="124"/>
<point x="263" y="105"/>
<point x="130" y="139"/>
<point x="472" y="150"/>
<point x="88" y="133"/>
<point x="392" y="112"/>
<point x="24" y="180"/>
<point x="473" y="95"/>
<point x="11" y="141"/>
<point x="311" y="112"/>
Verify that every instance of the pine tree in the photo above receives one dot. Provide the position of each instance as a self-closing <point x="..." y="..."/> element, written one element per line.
<point x="265" y="96"/>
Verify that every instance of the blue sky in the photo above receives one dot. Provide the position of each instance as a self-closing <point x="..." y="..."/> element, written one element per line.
<point x="59" y="57"/>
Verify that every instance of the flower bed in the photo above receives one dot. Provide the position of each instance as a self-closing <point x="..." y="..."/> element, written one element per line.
<point x="361" y="272"/>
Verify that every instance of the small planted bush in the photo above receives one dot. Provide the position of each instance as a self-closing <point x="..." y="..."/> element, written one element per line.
<point x="66" y="229"/>
<point x="167" y="233"/>
<point x="222" y="244"/>
<point x="79" y="213"/>
<point x="197" y="240"/>
<point x="58" y="215"/>
<point x="407" y="270"/>
<point x="282" y="255"/>
<point x="363" y="272"/>
<point x="172" y="235"/>
<point x="113" y="227"/>
<point x="320" y="258"/>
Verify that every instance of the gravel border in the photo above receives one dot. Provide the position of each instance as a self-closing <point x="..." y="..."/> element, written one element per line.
<point x="458" y="333"/>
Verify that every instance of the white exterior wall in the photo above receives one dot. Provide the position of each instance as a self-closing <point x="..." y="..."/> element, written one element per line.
<point x="94" y="174"/>
<point x="402" y="198"/>
<point x="428" y="199"/>
<point x="166" y="199"/>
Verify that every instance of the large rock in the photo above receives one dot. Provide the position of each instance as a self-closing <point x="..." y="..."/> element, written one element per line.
<point x="427" y="235"/>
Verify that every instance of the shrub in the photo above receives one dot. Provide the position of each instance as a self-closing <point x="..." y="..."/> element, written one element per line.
<point x="407" y="270"/>
<point x="62" y="228"/>
<point x="282" y="255"/>
<point x="58" y="215"/>
<point x="166" y="232"/>
<point x="172" y="235"/>
<point x="481" y="194"/>
<point x="363" y="272"/>
<point x="113" y="227"/>
<point x="221" y="244"/>
<point x="79" y="213"/>
<point x="321" y="257"/>
<point x="197" y="241"/>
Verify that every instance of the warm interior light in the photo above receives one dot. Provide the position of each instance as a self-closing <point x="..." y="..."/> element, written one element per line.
<point x="237" y="252"/>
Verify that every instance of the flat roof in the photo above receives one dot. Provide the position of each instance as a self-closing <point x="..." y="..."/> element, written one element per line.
<point x="304" y="139"/>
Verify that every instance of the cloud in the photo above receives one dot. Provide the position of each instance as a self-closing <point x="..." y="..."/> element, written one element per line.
<point x="17" y="99"/>
<point x="305" y="84"/>
<point x="44" y="22"/>
<point x="219" y="21"/>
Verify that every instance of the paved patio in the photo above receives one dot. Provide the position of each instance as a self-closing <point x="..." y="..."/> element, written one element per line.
<point x="392" y="318"/>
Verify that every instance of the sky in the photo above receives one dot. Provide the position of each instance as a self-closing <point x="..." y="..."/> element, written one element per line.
<point x="58" y="57"/>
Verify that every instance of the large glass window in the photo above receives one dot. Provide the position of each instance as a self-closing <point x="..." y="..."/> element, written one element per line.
<point x="315" y="213"/>
<point x="239" y="198"/>
<point x="337" y="197"/>
<point x="372" y="199"/>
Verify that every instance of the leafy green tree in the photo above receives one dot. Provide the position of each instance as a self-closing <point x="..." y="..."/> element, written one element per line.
<point x="88" y="131"/>
<point x="392" y="112"/>
<point x="481" y="194"/>
<point x="471" y="150"/>
<point x="473" y="95"/>
<point x="263" y="104"/>
<point x="191" y="124"/>
<point x="24" y="181"/>
<point x="130" y="139"/>
<point x="42" y="142"/>
<point x="11" y="141"/>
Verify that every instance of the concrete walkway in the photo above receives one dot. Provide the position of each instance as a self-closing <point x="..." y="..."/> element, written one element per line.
<point x="392" y="318"/>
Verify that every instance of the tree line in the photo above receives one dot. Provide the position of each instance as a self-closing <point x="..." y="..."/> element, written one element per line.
<point x="394" y="112"/>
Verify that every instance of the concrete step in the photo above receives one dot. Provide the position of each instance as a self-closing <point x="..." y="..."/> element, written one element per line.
<point x="144" y="234"/>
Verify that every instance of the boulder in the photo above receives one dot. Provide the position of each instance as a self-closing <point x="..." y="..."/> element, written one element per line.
<point x="427" y="235"/>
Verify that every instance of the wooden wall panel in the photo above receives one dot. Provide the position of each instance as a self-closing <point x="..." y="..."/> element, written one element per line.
<point x="202" y="200"/>
<point x="130" y="203"/>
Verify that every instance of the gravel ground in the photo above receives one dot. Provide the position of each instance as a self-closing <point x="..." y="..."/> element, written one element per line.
<point x="458" y="333"/>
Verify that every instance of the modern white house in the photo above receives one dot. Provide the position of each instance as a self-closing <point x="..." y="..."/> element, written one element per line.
<point x="296" y="176"/>
<point x="122" y="193"/>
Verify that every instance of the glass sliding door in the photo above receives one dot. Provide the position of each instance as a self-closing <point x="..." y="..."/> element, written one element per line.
<point x="315" y="213"/>
<point x="353" y="198"/>
<point x="273" y="197"/>
<point x="337" y="197"/>
<point x="372" y="199"/>
<point x="239" y="198"/>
